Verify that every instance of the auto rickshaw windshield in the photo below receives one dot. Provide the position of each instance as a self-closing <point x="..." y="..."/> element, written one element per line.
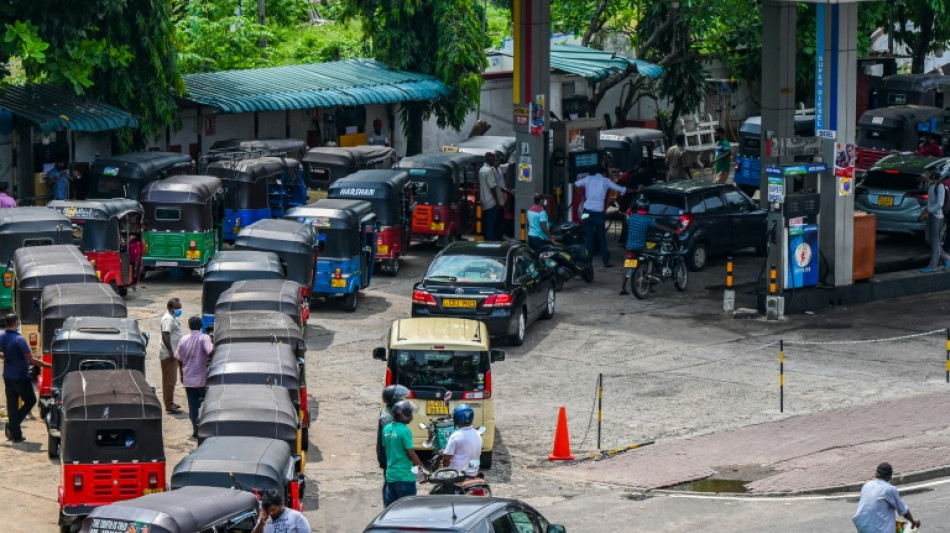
<point x="453" y="370"/>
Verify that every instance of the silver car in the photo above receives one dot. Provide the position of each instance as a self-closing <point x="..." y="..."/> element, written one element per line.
<point x="895" y="192"/>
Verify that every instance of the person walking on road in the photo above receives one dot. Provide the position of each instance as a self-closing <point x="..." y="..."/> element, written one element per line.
<point x="936" y="196"/>
<point x="677" y="163"/>
<point x="490" y="195"/>
<point x="193" y="353"/>
<point x="400" y="457"/>
<point x="17" y="384"/>
<point x="723" y="156"/>
<point x="595" y="202"/>
<point x="879" y="501"/>
<point x="277" y="518"/>
<point x="171" y="336"/>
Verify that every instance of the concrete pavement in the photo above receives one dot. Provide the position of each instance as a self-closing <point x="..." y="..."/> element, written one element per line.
<point x="822" y="452"/>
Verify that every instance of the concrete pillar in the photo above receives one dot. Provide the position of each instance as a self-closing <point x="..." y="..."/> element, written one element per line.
<point x="835" y="114"/>
<point x="531" y="85"/>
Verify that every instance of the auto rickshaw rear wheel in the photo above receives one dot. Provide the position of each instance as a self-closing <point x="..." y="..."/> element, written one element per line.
<point x="349" y="302"/>
<point x="52" y="445"/>
<point x="393" y="266"/>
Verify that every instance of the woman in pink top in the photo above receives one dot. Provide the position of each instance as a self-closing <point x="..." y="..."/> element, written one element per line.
<point x="5" y="199"/>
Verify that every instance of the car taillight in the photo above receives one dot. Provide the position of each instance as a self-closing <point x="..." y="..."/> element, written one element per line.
<point x="152" y="480"/>
<point x="920" y="195"/>
<point x="504" y="299"/>
<point x="892" y="171"/>
<point x="389" y="377"/>
<point x="684" y="222"/>
<point x="77" y="482"/>
<point x="422" y="297"/>
<point x="338" y="273"/>
<point x="8" y="279"/>
<point x="488" y="384"/>
<point x="192" y="245"/>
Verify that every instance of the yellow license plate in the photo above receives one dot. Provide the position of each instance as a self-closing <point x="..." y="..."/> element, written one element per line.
<point x="382" y="249"/>
<point x="650" y="245"/>
<point x="152" y="491"/>
<point x="436" y="407"/>
<point x="193" y="255"/>
<point x="885" y="201"/>
<point x="337" y="283"/>
<point x="630" y="263"/>
<point x="459" y="303"/>
<point x="437" y="226"/>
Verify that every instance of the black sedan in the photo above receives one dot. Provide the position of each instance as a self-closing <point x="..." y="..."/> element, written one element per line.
<point x="503" y="284"/>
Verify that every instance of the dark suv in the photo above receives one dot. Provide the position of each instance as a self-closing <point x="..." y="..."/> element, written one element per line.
<point x="714" y="218"/>
<point x="460" y="514"/>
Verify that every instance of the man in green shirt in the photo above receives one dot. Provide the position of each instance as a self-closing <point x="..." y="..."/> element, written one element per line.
<point x="723" y="161"/>
<point x="397" y="439"/>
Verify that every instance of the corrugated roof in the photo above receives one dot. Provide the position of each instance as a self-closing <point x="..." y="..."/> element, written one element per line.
<point x="340" y="83"/>
<point x="592" y="64"/>
<point x="53" y="108"/>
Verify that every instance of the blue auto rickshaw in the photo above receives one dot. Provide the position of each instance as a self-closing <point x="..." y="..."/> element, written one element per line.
<point x="348" y="231"/>
<point x="803" y="147"/>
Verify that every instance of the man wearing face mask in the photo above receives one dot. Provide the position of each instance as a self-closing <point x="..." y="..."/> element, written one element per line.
<point x="171" y="335"/>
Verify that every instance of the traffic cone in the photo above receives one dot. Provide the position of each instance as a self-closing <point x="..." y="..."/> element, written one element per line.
<point x="562" y="441"/>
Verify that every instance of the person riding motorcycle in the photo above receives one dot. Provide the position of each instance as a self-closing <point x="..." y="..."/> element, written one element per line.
<point x="638" y="224"/>
<point x="465" y="445"/>
<point x="392" y="394"/>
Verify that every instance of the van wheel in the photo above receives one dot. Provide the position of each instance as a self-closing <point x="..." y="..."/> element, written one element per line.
<point x="485" y="460"/>
<point x="52" y="444"/>
<point x="349" y="302"/>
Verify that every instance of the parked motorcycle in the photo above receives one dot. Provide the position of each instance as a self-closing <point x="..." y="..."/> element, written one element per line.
<point x="449" y="480"/>
<point x="569" y="258"/>
<point x="664" y="261"/>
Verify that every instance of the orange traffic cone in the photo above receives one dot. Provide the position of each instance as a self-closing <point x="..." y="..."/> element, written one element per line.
<point x="562" y="441"/>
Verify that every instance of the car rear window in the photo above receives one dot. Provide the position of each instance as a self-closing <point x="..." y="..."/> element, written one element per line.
<point x="666" y="204"/>
<point x="883" y="180"/>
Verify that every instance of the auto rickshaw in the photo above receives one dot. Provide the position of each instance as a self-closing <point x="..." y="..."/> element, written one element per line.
<point x="324" y="165"/>
<point x="628" y="146"/>
<point x="105" y="231"/>
<point x="283" y="296"/>
<point x="124" y="176"/>
<point x="86" y="343"/>
<point x="253" y="464"/>
<point x="390" y="193"/>
<point x="257" y="188"/>
<point x="345" y="265"/>
<point x="57" y="303"/>
<point x="294" y="242"/>
<point x="183" y="217"/>
<point x="251" y="411"/>
<point x="24" y="227"/>
<point x="887" y="130"/>
<point x="444" y="194"/>
<point x="185" y="510"/>
<point x="803" y="147"/>
<point x="112" y="443"/>
<point x="229" y="266"/>
<point x="918" y="89"/>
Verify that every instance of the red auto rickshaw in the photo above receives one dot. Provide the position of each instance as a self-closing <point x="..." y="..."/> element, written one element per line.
<point x="441" y="183"/>
<point x="390" y="193"/>
<point x="112" y="447"/>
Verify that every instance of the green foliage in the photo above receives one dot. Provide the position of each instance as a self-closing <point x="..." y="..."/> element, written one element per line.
<point x="498" y="27"/>
<point x="298" y="44"/>
<point x="212" y="36"/>
<point x="930" y="29"/>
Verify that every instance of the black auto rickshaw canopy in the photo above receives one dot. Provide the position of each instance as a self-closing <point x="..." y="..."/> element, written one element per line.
<point x="437" y="176"/>
<point x="246" y="179"/>
<point x="124" y="176"/>
<point x="251" y="463"/>
<point x="26" y="227"/>
<point x="96" y="225"/>
<point x="896" y="127"/>
<point x="270" y="145"/>
<point x="294" y="242"/>
<point x="263" y="295"/>
<point x="324" y="165"/>
<point x="110" y="415"/>
<point x="257" y="327"/>
<point x="228" y="266"/>
<point x="248" y="411"/>
<point x="97" y="343"/>
<point x="182" y="203"/>
<point x="503" y="147"/>
<point x="186" y="510"/>
<point x="256" y="363"/>
<point x="60" y="301"/>
<point x="628" y="146"/>
<point x="340" y="222"/>
<point x="907" y="89"/>
<point x="34" y="271"/>
<point x="386" y="190"/>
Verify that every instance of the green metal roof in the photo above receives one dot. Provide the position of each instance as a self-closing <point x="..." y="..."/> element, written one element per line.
<point x="340" y="83"/>
<point x="592" y="64"/>
<point x="55" y="108"/>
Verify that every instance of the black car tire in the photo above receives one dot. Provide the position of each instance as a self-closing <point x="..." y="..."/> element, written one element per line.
<point x="393" y="267"/>
<point x="558" y="282"/>
<point x="549" y="304"/>
<point x="588" y="274"/>
<point x="680" y="275"/>
<point x="522" y="326"/>
<point x="52" y="444"/>
<point x="640" y="282"/>
<point x="349" y="302"/>
<point x="485" y="460"/>
<point x="697" y="257"/>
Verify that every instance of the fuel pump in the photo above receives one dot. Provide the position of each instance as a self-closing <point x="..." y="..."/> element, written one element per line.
<point x="794" y="202"/>
<point x="576" y="153"/>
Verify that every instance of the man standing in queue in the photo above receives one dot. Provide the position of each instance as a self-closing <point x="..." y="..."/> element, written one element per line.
<point x="171" y="336"/>
<point x="595" y="202"/>
<point x="400" y="457"/>
<point x="392" y="395"/>
<point x="490" y="195"/>
<point x="193" y="353"/>
<point x="17" y="385"/>
<point x="277" y="518"/>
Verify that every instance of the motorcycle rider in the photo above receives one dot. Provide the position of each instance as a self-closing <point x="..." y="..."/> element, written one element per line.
<point x="638" y="223"/>
<point x="391" y="395"/>
<point x="465" y="445"/>
<point x="400" y="457"/>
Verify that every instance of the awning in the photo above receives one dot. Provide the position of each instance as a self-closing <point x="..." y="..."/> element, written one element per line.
<point x="340" y="83"/>
<point x="54" y="108"/>
<point x="594" y="65"/>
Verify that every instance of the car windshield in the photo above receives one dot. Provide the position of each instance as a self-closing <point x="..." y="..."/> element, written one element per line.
<point x="884" y="180"/>
<point x="452" y="370"/>
<point x="467" y="269"/>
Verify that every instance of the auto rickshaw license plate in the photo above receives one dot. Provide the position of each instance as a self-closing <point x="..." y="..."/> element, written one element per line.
<point x="885" y="201"/>
<point x="459" y="303"/>
<point x="150" y="491"/>
<point x="630" y="263"/>
<point x="437" y="226"/>
<point x="382" y="248"/>
<point x="436" y="407"/>
<point x="337" y="283"/>
<point x="650" y="245"/>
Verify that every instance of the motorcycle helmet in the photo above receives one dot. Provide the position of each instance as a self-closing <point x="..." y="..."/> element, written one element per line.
<point x="394" y="393"/>
<point x="463" y="414"/>
<point x="403" y="411"/>
<point x="643" y="203"/>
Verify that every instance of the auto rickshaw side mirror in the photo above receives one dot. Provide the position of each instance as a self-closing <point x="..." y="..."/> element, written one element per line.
<point x="497" y="355"/>
<point x="379" y="353"/>
<point x="146" y="336"/>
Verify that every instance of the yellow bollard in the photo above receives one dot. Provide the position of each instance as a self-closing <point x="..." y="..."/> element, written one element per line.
<point x="729" y="273"/>
<point x="478" y="223"/>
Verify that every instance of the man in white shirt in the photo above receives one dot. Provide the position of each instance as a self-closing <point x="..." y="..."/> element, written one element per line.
<point x="377" y="138"/>
<point x="489" y="194"/>
<point x="465" y="445"/>
<point x="171" y="336"/>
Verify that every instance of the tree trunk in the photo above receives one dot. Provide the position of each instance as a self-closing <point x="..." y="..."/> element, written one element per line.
<point x="262" y="20"/>
<point x="414" y="128"/>
<point x="924" y="37"/>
